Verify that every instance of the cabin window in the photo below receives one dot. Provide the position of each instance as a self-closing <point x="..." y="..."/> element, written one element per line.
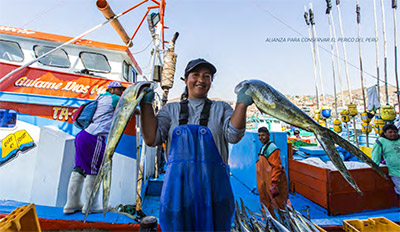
<point x="8" y="118"/>
<point x="10" y="51"/>
<point x="129" y="73"/>
<point x="95" y="62"/>
<point x="58" y="58"/>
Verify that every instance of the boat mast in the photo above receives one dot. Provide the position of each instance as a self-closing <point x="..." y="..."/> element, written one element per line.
<point x="306" y="18"/>
<point x="158" y="39"/>
<point x="344" y="50"/>
<point x="337" y="58"/>
<point x="377" y="51"/>
<point x="360" y="55"/>
<point x="346" y="67"/>
<point x="384" y="52"/>
<point x="328" y="12"/>
<point x="316" y="48"/>
<point x="394" y="7"/>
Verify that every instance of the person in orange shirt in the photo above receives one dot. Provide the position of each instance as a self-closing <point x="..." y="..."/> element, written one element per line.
<point x="271" y="177"/>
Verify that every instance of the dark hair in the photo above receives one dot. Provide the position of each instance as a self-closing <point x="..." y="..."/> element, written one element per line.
<point x="185" y="94"/>
<point x="296" y="132"/>
<point x="263" y="129"/>
<point x="387" y="127"/>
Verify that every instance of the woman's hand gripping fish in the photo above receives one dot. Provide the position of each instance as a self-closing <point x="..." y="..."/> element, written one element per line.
<point x="127" y="104"/>
<point x="271" y="102"/>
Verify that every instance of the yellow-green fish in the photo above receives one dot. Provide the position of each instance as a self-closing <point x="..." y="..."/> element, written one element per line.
<point x="123" y="112"/>
<point x="272" y="102"/>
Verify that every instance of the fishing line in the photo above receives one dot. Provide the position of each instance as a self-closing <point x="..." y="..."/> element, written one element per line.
<point x="41" y="14"/>
<point x="253" y="191"/>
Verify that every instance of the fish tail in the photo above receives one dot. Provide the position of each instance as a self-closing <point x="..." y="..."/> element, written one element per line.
<point x="96" y="187"/>
<point x="355" y="151"/>
<point x="327" y="141"/>
<point x="106" y="184"/>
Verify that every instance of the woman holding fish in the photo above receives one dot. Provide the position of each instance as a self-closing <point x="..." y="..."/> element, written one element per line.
<point x="196" y="194"/>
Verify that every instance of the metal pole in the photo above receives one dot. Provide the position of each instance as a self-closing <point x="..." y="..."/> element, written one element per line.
<point x="360" y="55"/>
<point x="376" y="50"/>
<point x="314" y="31"/>
<point x="394" y="7"/>
<point x="384" y="52"/>
<point x="313" y="55"/>
<point x="344" y="50"/>
<point x="328" y="12"/>
<point x="337" y="59"/>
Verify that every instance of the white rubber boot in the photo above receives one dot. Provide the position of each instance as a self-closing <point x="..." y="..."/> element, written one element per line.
<point x="74" y="193"/>
<point x="88" y="187"/>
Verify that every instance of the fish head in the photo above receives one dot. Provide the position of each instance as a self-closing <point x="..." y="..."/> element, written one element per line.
<point x="242" y="84"/>
<point x="134" y="90"/>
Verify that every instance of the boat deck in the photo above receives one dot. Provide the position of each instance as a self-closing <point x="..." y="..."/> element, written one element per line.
<point x="251" y="199"/>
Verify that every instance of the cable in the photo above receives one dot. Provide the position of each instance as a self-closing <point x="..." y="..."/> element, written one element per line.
<point x="42" y="13"/>
<point x="143" y="49"/>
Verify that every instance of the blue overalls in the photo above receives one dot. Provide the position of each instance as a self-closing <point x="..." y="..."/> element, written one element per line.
<point x="196" y="194"/>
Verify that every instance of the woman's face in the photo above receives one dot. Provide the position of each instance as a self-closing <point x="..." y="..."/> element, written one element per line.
<point x="391" y="134"/>
<point x="199" y="82"/>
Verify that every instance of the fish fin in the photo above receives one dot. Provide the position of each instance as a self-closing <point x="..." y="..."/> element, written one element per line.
<point x="357" y="152"/>
<point x="329" y="146"/>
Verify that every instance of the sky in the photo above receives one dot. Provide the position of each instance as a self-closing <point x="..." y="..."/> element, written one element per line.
<point x="244" y="39"/>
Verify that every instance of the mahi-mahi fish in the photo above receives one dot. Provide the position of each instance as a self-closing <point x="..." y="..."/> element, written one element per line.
<point x="123" y="112"/>
<point x="270" y="101"/>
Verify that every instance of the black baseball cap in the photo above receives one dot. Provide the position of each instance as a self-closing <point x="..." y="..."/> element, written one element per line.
<point x="194" y="63"/>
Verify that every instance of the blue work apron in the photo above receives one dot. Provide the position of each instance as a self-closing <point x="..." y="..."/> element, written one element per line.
<point x="196" y="194"/>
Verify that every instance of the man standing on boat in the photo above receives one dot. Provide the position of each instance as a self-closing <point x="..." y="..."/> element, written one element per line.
<point x="271" y="177"/>
<point x="90" y="144"/>
<point x="388" y="148"/>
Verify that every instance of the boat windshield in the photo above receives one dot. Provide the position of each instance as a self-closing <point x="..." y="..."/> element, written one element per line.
<point x="10" y="51"/>
<point x="95" y="62"/>
<point x="58" y="58"/>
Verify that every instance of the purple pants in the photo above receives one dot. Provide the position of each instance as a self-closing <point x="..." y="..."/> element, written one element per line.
<point x="89" y="151"/>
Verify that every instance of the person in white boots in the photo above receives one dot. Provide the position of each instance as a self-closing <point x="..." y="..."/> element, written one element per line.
<point x="90" y="144"/>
